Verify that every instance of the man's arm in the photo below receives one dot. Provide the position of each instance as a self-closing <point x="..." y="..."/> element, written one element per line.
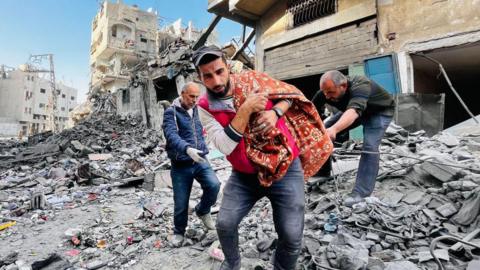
<point x="171" y="133"/>
<point x="224" y="139"/>
<point x="347" y="118"/>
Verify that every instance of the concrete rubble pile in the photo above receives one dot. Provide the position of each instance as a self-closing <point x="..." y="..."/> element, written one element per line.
<point x="428" y="187"/>
<point x="99" y="196"/>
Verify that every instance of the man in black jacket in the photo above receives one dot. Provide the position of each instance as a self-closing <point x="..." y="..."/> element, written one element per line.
<point x="186" y="149"/>
<point x="360" y="101"/>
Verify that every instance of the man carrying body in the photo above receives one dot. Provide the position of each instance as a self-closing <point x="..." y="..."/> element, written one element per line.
<point x="187" y="149"/>
<point x="260" y="124"/>
<point x="360" y="101"/>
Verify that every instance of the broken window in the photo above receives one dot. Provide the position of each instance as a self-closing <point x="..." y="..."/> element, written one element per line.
<point x="58" y="92"/>
<point x="114" y="31"/>
<point x="43" y="91"/>
<point x="305" y="11"/>
<point x="41" y="105"/>
<point x="125" y="96"/>
<point x="63" y="96"/>
<point x="72" y="98"/>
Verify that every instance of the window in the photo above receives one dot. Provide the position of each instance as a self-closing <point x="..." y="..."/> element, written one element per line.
<point x="41" y="105"/>
<point x="144" y="40"/>
<point x="29" y="110"/>
<point x="43" y="91"/>
<point x="72" y="98"/>
<point x="58" y="92"/>
<point x="26" y="110"/>
<point x="114" y="31"/>
<point x="70" y="109"/>
<point x="305" y="11"/>
<point x="63" y="96"/>
<point x="125" y="96"/>
<point x="63" y="109"/>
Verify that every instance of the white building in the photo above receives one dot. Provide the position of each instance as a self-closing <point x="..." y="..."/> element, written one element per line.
<point x="121" y="36"/>
<point x="25" y="100"/>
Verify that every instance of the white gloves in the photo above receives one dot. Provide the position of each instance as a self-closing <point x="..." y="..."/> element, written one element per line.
<point x="194" y="154"/>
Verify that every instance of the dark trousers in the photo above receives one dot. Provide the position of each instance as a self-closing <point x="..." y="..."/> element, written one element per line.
<point x="182" y="181"/>
<point x="374" y="127"/>
<point x="287" y="197"/>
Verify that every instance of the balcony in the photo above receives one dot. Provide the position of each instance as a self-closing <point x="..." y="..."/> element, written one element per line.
<point x="246" y="12"/>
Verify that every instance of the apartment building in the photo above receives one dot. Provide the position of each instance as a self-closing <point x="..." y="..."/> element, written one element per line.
<point x="122" y="35"/>
<point x="25" y="98"/>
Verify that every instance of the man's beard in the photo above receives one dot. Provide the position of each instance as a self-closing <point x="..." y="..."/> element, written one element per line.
<point x="223" y="93"/>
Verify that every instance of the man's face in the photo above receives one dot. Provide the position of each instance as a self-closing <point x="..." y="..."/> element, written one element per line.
<point x="333" y="92"/>
<point x="190" y="97"/>
<point x="215" y="76"/>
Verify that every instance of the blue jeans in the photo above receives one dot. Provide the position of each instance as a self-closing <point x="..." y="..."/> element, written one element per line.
<point x="182" y="181"/>
<point x="287" y="197"/>
<point x="374" y="127"/>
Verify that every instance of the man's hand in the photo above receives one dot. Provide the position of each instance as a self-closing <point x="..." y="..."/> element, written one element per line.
<point x="332" y="133"/>
<point x="195" y="155"/>
<point x="255" y="102"/>
<point x="266" y="121"/>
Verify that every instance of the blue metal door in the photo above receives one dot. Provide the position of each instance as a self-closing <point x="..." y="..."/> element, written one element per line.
<point x="383" y="70"/>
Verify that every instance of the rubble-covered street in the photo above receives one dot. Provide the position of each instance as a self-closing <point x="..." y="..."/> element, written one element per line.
<point x="91" y="91"/>
<point x="99" y="196"/>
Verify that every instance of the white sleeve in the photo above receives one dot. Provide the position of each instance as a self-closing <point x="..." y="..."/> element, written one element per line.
<point x="224" y="139"/>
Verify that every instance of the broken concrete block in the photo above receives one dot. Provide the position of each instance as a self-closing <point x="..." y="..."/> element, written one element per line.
<point x="56" y="173"/>
<point x="155" y="209"/>
<point x="469" y="210"/>
<point x="77" y="145"/>
<point x="401" y="265"/>
<point x="413" y="197"/>
<point x="96" y="264"/>
<point x="393" y="240"/>
<point x="446" y="210"/>
<point x="441" y="172"/>
<point x="461" y="185"/>
<point x="448" y="139"/>
<point x="373" y="236"/>
<point x="375" y="264"/>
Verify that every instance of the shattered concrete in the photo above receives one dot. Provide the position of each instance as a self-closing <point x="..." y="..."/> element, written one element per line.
<point x="99" y="196"/>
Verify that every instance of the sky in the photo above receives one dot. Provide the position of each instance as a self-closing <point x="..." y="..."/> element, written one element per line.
<point x="63" y="27"/>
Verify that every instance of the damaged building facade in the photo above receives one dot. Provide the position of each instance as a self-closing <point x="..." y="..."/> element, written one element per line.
<point x="123" y="37"/>
<point x="298" y="40"/>
<point x="140" y="65"/>
<point x="25" y="100"/>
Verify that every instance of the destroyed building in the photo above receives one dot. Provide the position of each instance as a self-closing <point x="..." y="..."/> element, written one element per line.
<point x="123" y="36"/>
<point x="25" y="100"/>
<point x="139" y="65"/>
<point x="298" y="40"/>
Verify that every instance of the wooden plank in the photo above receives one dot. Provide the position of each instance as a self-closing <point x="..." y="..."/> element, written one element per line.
<point x="467" y="238"/>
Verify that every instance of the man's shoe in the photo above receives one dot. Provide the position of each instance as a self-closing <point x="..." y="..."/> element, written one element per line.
<point x="351" y="199"/>
<point x="177" y="240"/>
<point x="207" y="221"/>
<point x="226" y="266"/>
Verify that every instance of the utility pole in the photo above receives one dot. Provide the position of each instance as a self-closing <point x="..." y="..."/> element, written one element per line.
<point x="52" y="99"/>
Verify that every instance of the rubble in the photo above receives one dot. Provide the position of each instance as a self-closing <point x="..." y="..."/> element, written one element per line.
<point x="98" y="196"/>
